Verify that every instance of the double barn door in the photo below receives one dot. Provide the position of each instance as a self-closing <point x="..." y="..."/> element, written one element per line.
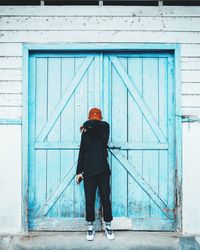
<point x="136" y="94"/>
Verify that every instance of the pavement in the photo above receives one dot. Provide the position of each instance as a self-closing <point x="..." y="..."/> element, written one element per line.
<point x="76" y="240"/>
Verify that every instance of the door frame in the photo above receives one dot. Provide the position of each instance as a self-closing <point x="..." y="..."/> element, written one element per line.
<point x="174" y="48"/>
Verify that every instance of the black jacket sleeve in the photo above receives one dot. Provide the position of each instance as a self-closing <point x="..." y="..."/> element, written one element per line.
<point x="101" y="127"/>
<point x="81" y="157"/>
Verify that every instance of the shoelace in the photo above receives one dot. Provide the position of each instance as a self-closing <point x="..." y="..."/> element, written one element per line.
<point x="109" y="230"/>
<point x="90" y="232"/>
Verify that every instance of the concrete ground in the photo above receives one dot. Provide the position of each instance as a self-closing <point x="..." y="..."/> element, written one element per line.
<point x="76" y="240"/>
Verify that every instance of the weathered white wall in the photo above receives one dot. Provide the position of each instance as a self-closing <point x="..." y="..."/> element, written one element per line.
<point x="191" y="178"/>
<point x="10" y="178"/>
<point x="55" y="24"/>
<point x="64" y="24"/>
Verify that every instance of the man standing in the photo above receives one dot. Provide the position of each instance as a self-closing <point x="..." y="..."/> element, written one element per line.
<point x="93" y="168"/>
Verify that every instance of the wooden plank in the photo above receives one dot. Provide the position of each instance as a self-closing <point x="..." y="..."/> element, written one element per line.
<point x="120" y="223"/>
<point x="150" y="157"/>
<point x="178" y="139"/>
<point x="99" y="11"/>
<point x="190" y="63"/>
<point x="91" y="85"/>
<point x="190" y="50"/>
<point x="100" y="23"/>
<point x="163" y="124"/>
<point x="101" y="46"/>
<point x="14" y="100"/>
<point x="53" y="157"/>
<point x="135" y="193"/>
<point x="97" y="77"/>
<point x="63" y="224"/>
<point x="123" y="145"/>
<point x="11" y="112"/>
<point x="15" y="49"/>
<point x="11" y="49"/>
<point x="99" y="36"/>
<point x="191" y="111"/>
<point x="171" y="183"/>
<point x="80" y="115"/>
<point x="189" y="88"/>
<point x="101" y="72"/>
<point x="25" y="143"/>
<point x="10" y="74"/>
<point x="191" y="101"/>
<point x="67" y="134"/>
<point x="79" y="224"/>
<point x="31" y="128"/>
<point x="11" y="62"/>
<point x="190" y="76"/>
<point x="10" y="87"/>
<point x="40" y="164"/>
<point x="152" y="224"/>
<point x="105" y="87"/>
<point x="140" y="102"/>
<point x="65" y="98"/>
<point x="119" y="133"/>
<point x="107" y="110"/>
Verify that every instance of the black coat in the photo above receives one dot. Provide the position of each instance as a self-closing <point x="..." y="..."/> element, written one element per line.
<point x="93" y="153"/>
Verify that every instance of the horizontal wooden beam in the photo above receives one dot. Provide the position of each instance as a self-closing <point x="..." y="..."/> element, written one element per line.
<point x="114" y="145"/>
<point x="62" y="224"/>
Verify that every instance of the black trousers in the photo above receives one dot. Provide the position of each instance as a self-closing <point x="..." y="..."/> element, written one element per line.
<point x="102" y="181"/>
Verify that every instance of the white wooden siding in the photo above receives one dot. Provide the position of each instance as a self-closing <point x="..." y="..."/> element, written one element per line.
<point x="54" y="24"/>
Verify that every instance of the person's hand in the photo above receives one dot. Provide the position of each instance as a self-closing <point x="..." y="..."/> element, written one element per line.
<point x="77" y="178"/>
<point x="82" y="129"/>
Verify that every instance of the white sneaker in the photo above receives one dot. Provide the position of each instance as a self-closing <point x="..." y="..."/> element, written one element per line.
<point x="109" y="233"/>
<point x="90" y="233"/>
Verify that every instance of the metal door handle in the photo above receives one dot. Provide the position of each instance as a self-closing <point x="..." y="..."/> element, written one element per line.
<point x="114" y="147"/>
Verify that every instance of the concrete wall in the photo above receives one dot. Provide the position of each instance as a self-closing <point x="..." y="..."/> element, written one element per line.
<point x="191" y="178"/>
<point x="10" y="179"/>
<point x="54" y="24"/>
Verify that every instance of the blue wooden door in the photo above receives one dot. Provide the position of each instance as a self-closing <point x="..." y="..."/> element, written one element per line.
<point x="135" y="92"/>
<point x="62" y="87"/>
<point x="139" y="104"/>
